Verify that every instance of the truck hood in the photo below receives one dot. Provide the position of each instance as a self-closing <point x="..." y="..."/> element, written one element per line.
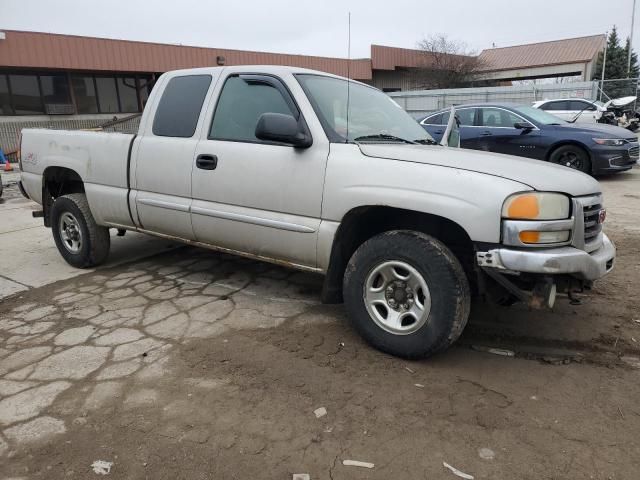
<point x="536" y="174"/>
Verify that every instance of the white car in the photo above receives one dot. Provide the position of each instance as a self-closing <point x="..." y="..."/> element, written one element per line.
<point x="582" y="109"/>
<point x="568" y="108"/>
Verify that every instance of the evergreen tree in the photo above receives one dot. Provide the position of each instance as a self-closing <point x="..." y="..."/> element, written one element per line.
<point x="616" y="60"/>
<point x="634" y="71"/>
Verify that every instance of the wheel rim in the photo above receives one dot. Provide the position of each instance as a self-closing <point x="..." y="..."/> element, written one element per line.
<point x="571" y="159"/>
<point x="70" y="232"/>
<point x="397" y="297"/>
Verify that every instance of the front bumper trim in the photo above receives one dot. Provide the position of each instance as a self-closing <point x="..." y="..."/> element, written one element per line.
<point x="553" y="261"/>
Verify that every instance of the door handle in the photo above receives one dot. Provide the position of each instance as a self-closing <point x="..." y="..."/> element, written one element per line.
<point x="439" y="132"/>
<point x="486" y="134"/>
<point x="207" y="162"/>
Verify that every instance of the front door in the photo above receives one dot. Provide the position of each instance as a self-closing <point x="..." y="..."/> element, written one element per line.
<point x="254" y="196"/>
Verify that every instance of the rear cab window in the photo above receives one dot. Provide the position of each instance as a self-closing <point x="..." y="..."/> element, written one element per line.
<point x="180" y="105"/>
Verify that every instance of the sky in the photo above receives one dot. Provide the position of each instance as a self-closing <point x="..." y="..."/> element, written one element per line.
<point x="320" y="27"/>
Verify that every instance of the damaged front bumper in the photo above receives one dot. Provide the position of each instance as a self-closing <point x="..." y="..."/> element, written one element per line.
<point x="553" y="261"/>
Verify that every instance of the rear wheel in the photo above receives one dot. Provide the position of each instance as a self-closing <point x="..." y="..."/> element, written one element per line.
<point x="571" y="156"/>
<point x="80" y="241"/>
<point x="406" y="294"/>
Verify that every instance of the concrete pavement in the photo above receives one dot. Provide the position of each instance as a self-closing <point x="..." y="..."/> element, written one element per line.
<point x="28" y="255"/>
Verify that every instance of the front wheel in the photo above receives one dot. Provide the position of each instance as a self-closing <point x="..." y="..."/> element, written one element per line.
<point x="571" y="156"/>
<point x="80" y="241"/>
<point x="406" y="294"/>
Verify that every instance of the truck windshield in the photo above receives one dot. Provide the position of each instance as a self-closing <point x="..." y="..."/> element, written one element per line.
<point x="373" y="116"/>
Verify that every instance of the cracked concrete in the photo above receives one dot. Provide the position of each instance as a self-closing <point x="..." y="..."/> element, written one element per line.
<point x="113" y="326"/>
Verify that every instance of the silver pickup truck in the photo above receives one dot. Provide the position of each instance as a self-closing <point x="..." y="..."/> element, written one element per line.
<point x="309" y="170"/>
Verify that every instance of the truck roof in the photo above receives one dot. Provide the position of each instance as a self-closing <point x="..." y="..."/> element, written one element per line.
<point x="275" y="69"/>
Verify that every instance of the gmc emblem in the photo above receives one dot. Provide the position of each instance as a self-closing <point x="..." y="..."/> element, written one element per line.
<point x="602" y="215"/>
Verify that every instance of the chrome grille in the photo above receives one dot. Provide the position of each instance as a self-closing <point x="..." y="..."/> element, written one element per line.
<point x="591" y="227"/>
<point x="634" y="152"/>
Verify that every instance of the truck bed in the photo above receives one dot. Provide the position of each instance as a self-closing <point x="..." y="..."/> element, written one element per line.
<point x="101" y="160"/>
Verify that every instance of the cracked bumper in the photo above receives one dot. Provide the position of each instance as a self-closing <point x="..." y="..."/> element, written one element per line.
<point x="553" y="261"/>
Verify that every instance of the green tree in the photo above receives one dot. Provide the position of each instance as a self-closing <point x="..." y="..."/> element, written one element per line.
<point x="634" y="71"/>
<point x="616" y="68"/>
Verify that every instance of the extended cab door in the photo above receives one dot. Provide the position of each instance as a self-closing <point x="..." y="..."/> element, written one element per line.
<point x="254" y="196"/>
<point x="164" y="155"/>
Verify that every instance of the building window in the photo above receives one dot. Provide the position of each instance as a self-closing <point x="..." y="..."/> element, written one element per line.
<point x="25" y="92"/>
<point x="56" y="94"/>
<point x="5" y="100"/>
<point x="127" y="90"/>
<point x="84" y="91"/>
<point x="144" y="88"/>
<point x="107" y="95"/>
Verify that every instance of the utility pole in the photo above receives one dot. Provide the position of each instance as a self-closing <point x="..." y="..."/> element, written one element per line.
<point x="604" y="62"/>
<point x="633" y="17"/>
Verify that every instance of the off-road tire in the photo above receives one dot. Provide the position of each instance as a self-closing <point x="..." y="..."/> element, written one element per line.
<point x="444" y="276"/>
<point x="95" y="239"/>
<point x="584" y="163"/>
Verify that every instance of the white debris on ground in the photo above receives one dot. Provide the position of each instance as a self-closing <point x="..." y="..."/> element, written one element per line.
<point x="486" y="453"/>
<point x="320" y="412"/>
<point x="356" y="463"/>
<point x="101" y="467"/>
<point x="301" y="476"/>
<point x="457" y="472"/>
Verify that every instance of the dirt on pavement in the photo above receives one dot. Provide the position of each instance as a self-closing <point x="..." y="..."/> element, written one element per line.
<point x="194" y="364"/>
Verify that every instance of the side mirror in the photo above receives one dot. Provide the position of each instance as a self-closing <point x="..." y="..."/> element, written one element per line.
<point x="523" y="126"/>
<point x="281" y="128"/>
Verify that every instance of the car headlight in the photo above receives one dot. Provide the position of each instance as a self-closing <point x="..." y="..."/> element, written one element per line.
<point x="536" y="206"/>
<point x="610" y="142"/>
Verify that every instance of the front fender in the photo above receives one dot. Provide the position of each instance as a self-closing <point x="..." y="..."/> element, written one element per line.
<point x="470" y="199"/>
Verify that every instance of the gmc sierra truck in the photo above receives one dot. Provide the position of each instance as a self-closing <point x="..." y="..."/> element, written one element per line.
<point x="324" y="174"/>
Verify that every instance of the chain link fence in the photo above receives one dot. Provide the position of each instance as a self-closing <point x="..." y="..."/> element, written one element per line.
<point x="422" y="102"/>
<point x="610" y="89"/>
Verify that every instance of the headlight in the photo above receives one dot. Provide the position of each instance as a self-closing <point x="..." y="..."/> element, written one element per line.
<point x="536" y="206"/>
<point x="610" y="142"/>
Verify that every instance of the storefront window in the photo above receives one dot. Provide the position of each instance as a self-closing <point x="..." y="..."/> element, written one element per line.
<point x="5" y="100"/>
<point x="107" y="95"/>
<point x="26" y="95"/>
<point x="55" y="89"/>
<point x="84" y="92"/>
<point x="128" y="94"/>
<point x="144" y="87"/>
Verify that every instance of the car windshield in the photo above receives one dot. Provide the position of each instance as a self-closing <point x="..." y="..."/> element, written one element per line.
<point x="373" y="116"/>
<point x="539" y="116"/>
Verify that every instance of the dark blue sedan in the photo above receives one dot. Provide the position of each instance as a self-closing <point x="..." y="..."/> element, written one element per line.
<point x="529" y="132"/>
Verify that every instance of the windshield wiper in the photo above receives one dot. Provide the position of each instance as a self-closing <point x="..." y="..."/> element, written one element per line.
<point x="426" y="141"/>
<point x="382" y="136"/>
